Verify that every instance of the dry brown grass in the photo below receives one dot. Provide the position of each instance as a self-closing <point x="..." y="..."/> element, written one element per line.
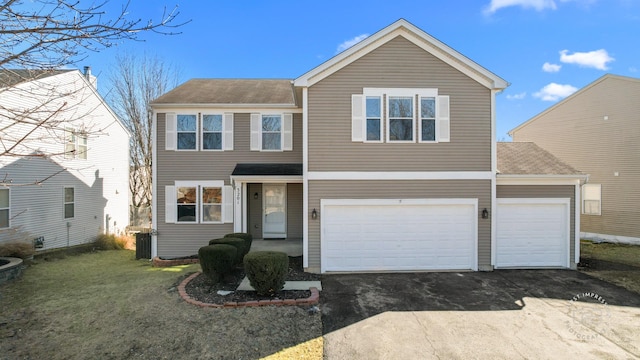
<point x="615" y="263"/>
<point x="19" y="249"/>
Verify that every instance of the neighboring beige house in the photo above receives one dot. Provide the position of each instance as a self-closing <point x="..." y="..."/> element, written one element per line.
<point x="383" y="158"/>
<point x="597" y="130"/>
<point x="69" y="179"/>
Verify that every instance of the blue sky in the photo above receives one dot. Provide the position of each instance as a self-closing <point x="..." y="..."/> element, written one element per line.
<point x="545" y="49"/>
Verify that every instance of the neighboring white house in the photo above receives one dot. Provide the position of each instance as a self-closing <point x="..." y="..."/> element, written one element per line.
<point x="64" y="164"/>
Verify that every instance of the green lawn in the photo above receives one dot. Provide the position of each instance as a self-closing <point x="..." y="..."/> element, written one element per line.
<point x="615" y="263"/>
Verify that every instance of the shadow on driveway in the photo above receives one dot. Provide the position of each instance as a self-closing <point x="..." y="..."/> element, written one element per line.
<point x="350" y="298"/>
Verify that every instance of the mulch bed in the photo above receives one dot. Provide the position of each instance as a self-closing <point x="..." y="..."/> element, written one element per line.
<point x="202" y="289"/>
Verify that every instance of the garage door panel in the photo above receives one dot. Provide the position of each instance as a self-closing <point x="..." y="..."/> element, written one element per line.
<point x="532" y="233"/>
<point x="381" y="237"/>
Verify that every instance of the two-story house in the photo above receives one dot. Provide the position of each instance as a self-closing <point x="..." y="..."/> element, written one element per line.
<point x="64" y="162"/>
<point x="596" y="130"/>
<point x="381" y="159"/>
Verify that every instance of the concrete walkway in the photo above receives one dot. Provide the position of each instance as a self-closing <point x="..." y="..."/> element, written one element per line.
<point x="543" y="314"/>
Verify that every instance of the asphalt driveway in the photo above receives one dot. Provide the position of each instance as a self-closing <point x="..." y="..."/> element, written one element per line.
<point x="506" y="314"/>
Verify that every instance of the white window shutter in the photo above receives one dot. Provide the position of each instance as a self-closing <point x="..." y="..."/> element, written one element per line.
<point x="171" y="205"/>
<point x="227" y="201"/>
<point x="357" y="117"/>
<point x="256" y="125"/>
<point x="170" y="131"/>
<point x="228" y="131"/>
<point x="287" y="126"/>
<point x="443" y="119"/>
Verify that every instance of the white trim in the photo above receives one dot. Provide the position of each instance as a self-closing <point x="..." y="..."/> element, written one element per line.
<point x="387" y="202"/>
<point x="577" y="224"/>
<point x="365" y="118"/>
<point x="154" y="185"/>
<point x="305" y="178"/>
<point x="584" y="198"/>
<point x="64" y="202"/>
<point x="610" y="238"/>
<point x="494" y="182"/>
<point x="400" y="95"/>
<point x="232" y="108"/>
<point x="267" y="178"/>
<point x="399" y="175"/>
<point x="543" y="201"/>
<point x="539" y="179"/>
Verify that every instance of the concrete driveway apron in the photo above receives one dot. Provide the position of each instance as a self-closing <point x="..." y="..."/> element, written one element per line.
<point x="506" y="314"/>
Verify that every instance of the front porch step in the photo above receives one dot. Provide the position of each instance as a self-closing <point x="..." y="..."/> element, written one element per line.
<point x="289" y="285"/>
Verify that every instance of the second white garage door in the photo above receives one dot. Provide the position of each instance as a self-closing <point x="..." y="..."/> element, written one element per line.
<point x="532" y="233"/>
<point x="398" y="235"/>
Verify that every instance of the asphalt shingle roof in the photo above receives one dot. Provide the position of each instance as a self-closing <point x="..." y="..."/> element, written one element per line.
<point x="231" y="91"/>
<point x="10" y="77"/>
<point x="527" y="158"/>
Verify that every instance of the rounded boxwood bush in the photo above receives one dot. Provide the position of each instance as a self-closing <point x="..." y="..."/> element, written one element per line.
<point x="266" y="271"/>
<point x="239" y="244"/>
<point x="248" y="238"/>
<point x="217" y="260"/>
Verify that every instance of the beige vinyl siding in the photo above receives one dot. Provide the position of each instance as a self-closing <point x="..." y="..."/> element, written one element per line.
<point x="186" y="239"/>
<point x="545" y="191"/>
<point x="398" y="64"/>
<point x="373" y="189"/>
<point x="254" y="210"/>
<point x="576" y="132"/>
<point x="294" y="210"/>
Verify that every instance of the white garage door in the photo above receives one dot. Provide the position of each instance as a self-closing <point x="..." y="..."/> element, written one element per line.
<point x="532" y="233"/>
<point x="398" y="235"/>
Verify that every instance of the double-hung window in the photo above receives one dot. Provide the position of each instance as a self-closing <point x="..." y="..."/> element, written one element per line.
<point x="592" y="199"/>
<point x="69" y="202"/>
<point x="75" y="144"/>
<point x="5" y="203"/>
<point x="374" y="119"/>
<point x="199" y="202"/>
<point x="212" y="132"/>
<point x="400" y="119"/>
<point x="187" y="131"/>
<point x="404" y="115"/>
<point x="271" y="132"/>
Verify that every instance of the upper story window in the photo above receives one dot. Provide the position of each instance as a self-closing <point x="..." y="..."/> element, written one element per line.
<point x="374" y="119"/>
<point x="199" y="202"/>
<point x="412" y="115"/>
<point x="400" y="119"/>
<point x="212" y="132"/>
<point x="5" y="204"/>
<point x="69" y="202"/>
<point x="271" y="132"/>
<point x="187" y="131"/>
<point x="591" y="199"/>
<point x="199" y="131"/>
<point x="75" y="146"/>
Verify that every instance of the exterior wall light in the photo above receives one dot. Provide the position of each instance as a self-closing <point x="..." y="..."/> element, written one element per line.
<point x="255" y="195"/>
<point x="485" y="213"/>
<point x="314" y="214"/>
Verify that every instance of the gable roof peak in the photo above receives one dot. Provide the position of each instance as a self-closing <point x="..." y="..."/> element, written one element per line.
<point x="404" y="28"/>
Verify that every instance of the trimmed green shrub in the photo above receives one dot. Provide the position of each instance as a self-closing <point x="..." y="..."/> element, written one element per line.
<point x="266" y="270"/>
<point x="217" y="260"/>
<point x="248" y="238"/>
<point x="237" y="243"/>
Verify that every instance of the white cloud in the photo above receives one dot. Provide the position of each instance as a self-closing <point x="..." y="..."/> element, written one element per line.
<point x="518" y="96"/>
<point x="551" y="68"/>
<point x="596" y="59"/>
<point x="349" y="43"/>
<point x="538" y="5"/>
<point x="633" y="69"/>
<point x="555" y="92"/>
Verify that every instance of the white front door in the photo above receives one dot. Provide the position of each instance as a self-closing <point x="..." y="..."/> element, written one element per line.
<point x="275" y="211"/>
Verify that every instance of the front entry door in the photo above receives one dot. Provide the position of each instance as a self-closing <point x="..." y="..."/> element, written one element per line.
<point x="275" y="211"/>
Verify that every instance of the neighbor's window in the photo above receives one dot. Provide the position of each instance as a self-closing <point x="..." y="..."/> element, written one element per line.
<point x="69" y="202"/>
<point x="400" y="123"/>
<point x="187" y="203"/>
<point x="427" y="119"/>
<point x="4" y="208"/>
<point x="374" y="125"/>
<point x="211" y="204"/>
<point x="591" y="199"/>
<point x="211" y="132"/>
<point x="271" y="132"/>
<point x="187" y="128"/>
<point x="75" y="144"/>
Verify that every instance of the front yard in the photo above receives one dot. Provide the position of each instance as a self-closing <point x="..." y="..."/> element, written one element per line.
<point x="108" y="305"/>
<point x="615" y="263"/>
